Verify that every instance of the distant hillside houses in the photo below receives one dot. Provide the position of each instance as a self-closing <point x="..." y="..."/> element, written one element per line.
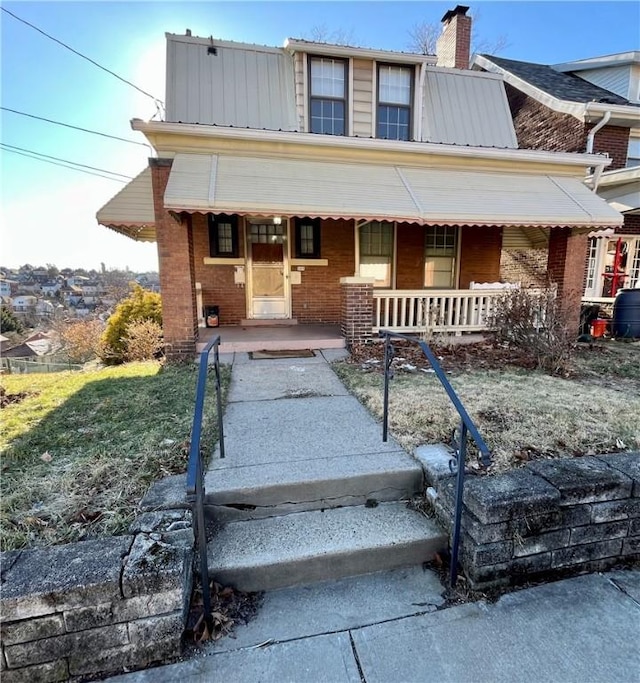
<point x="42" y="292"/>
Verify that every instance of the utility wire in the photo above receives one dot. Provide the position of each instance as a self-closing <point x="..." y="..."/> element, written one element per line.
<point x="68" y="125"/>
<point x="55" y="163"/>
<point x="10" y="148"/>
<point x="124" y="80"/>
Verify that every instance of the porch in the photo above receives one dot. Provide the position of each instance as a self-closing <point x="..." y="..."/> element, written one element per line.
<point x="235" y="338"/>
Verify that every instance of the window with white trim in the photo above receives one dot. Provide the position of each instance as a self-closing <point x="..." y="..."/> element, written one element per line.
<point x="633" y="152"/>
<point x="634" y="274"/>
<point x="591" y="265"/>
<point x="440" y="251"/>
<point x="328" y="95"/>
<point x="376" y="252"/>
<point x="395" y="87"/>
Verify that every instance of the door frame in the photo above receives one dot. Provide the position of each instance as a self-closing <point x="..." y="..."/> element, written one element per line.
<point x="286" y="265"/>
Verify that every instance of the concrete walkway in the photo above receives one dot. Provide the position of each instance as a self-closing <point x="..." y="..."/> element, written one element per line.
<point x="583" y="629"/>
<point x="389" y="626"/>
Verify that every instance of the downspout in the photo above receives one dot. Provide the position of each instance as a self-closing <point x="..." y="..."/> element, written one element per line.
<point x="592" y="133"/>
<point x="423" y="75"/>
<point x="597" y="171"/>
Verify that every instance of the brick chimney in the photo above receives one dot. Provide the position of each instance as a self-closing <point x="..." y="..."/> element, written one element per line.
<point x="454" y="43"/>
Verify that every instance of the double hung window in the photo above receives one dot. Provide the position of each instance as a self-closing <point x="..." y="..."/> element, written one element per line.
<point x="440" y="249"/>
<point x="328" y="95"/>
<point x="394" y="102"/>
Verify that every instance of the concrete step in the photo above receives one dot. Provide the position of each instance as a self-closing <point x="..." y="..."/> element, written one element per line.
<point x="307" y="547"/>
<point x="233" y="493"/>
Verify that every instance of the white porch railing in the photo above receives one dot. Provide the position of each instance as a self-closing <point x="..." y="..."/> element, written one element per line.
<point x="439" y="310"/>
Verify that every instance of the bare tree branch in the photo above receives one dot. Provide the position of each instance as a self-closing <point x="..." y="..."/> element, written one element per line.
<point x="321" y="33"/>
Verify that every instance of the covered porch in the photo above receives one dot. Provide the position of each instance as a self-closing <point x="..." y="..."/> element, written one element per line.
<point x="357" y="244"/>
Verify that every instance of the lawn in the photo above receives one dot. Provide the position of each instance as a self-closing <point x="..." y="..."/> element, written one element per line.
<point x="79" y="449"/>
<point x="521" y="413"/>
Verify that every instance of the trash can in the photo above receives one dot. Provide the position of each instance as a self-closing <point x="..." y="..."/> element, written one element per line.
<point x="626" y="314"/>
<point x="599" y="327"/>
<point x="212" y="316"/>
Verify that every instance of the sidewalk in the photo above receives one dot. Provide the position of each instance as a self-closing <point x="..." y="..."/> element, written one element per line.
<point x="389" y="626"/>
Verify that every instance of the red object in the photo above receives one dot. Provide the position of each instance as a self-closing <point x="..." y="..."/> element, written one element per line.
<point x="617" y="276"/>
<point x="599" y="327"/>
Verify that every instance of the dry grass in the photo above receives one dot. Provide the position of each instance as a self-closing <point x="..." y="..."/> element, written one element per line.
<point x="80" y="449"/>
<point x="521" y="414"/>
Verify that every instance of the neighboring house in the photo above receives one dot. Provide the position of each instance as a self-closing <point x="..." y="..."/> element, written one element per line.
<point x="71" y="294"/>
<point x="590" y="104"/>
<point x="51" y="288"/>
<point x="29" y="286"/>
<point x="322" y="183"/>
<point x="38" y="345"/>
<point x="45" y="308"/>
<point x="6" y="287"/>
<point x="24" y="303"/>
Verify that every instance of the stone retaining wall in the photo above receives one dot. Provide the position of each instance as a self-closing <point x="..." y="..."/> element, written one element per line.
<point x="549" y="519"/>
<point x="102" y="606"/>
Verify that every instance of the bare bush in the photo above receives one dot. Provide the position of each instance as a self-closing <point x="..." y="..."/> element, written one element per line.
<point x="142" y="340"/>
<point x="534" y="321"/>
<point x="81" y="339"/>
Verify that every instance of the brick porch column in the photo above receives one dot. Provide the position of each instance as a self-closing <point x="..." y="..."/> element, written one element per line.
<point x="177" y="279"/>
<point x="356" y="299"/>
<point x="565" y="268"/>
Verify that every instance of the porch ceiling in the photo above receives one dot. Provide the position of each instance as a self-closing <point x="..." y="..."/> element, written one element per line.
<point x="131" y="211"/>
<point x="298" y="187"/>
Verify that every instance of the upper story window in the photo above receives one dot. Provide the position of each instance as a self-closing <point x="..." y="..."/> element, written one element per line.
<point x="328" y="95"/>
<point x="395" y="85"/>
<point x="633" y="153"/>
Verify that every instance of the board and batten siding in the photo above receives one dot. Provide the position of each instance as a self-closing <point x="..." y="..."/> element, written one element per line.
<point x="363" y="98"/>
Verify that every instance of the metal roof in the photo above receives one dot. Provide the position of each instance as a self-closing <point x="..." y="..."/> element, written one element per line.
<point x="298" y="187"/>
<point x="564" y="86"/>
<point x="215" y="82"/>
<point x="466" y="108"/>
<point x="131" y="211"/>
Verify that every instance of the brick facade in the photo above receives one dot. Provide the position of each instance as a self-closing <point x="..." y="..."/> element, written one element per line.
<point x="454" y="43"/>
<point x="526" y="266"/>
<point x="176" y="266"/>
<point x="538" y="127"/>
<point x="479" y="254"/>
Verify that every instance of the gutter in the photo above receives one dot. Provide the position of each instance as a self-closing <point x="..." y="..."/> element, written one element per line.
<point x="420" y="108"/>
<point x="592" y="133"/>
<point x="150" y="128"/>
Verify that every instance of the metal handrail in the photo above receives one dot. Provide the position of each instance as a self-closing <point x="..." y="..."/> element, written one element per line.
<point x="467" y="426"/>
<point x="195" y="468"/>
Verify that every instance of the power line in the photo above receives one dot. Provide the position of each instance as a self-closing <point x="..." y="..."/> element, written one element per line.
<point x="124" y="80"/>
<point x="55" y="163"/>
<point x="66" y="161"/>
<point x="68" y="125"/>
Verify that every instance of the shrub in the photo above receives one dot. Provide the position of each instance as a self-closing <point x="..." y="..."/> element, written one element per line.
<point x="143" y="340"/>
<point x="533" y="320"/>
<point x="9" y="322"/>
<point x="81" y="339"/>
<point x="140" y="305"/>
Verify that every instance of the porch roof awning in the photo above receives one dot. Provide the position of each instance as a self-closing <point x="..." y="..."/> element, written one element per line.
<point x="222" y="183"/>
<point x="131" y="211"/>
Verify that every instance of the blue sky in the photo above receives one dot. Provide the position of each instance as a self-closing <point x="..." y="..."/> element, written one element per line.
<point x="48" y="213"/>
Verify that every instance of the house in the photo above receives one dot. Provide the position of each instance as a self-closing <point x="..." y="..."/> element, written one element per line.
<point x="51" y="288"/>
<point x="6" y="287"/>
<point x="24" y="304"/>
<point x="591" y="104"/>
<point x="319" y="183"/>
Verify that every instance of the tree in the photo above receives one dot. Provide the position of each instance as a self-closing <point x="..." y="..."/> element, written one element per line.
<point x="140" y="305"/>
<point x="81" y="339"/>
<point x="423" y="37"/>
<point x="9" y="322"/>
<point x="320" y="33"/>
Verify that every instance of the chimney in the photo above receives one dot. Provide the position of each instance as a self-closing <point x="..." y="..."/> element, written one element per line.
<point x="454" y="43"/>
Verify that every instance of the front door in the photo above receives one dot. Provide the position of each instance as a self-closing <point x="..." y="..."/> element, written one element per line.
<point x="268" y="267"/>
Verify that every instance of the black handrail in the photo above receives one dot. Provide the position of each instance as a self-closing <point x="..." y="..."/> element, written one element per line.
<point x="460" y="446"/>
<point x="195" y="468"/>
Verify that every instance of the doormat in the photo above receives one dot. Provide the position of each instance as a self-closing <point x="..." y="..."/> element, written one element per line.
<point x="290" y="353"/>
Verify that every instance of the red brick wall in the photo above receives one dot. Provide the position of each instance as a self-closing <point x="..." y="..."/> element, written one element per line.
<point x="356" y="312"/>
<point x="480" y="249"/>
<point x="538" y="127"/>
<point x="454" y="43"/>
<point x="175" y="261"/>
<point x="218" y="287"/>
<point x="565" y="266"/>
<point x="631" y="225"/>
<point x="317" y="299"/>
<point x="410" y="256"/>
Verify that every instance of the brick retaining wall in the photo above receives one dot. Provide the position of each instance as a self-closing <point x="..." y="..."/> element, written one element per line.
<point x="548" y="519"/>
<point x="96" y="607"/>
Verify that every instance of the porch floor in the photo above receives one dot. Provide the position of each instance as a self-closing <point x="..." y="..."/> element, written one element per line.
<point x="272" y="338"/>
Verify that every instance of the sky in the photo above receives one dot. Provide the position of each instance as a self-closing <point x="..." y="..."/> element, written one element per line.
<point x="48" y="212"/>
